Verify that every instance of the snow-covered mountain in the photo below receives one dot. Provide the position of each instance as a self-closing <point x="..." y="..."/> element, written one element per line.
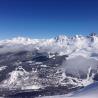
<point x="62" y="63"/>
<point x="61" y="44"/>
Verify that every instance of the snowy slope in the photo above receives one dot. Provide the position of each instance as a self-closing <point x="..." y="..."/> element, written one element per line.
<point x="90" y="91"/>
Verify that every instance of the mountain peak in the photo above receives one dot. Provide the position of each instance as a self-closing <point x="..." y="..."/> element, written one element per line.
<point x="92" y="34"/>
<point x="61" y="38"/>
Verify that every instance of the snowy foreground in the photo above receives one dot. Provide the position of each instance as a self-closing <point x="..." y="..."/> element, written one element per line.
<point x="90" y="91"/>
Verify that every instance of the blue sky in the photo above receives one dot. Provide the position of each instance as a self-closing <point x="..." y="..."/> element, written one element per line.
<point x="47" y="18"/>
